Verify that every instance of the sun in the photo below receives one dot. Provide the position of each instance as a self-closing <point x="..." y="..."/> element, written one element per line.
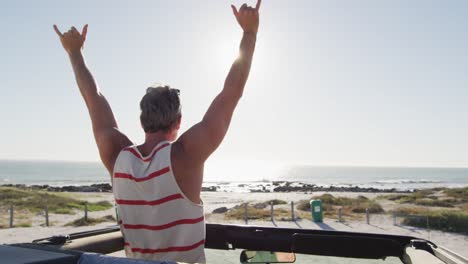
<point x="224" y="50"/>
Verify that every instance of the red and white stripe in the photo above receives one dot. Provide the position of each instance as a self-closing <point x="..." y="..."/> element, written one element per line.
<point x="136" y="153"/>
<point x="163" y="250"/>
<point x="157" y="221"/>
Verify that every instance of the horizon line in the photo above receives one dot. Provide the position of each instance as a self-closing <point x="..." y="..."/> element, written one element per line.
<point x="288" y="164"/>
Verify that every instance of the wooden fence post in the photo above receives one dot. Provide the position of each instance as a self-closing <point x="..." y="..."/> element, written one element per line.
<point x="428" y="230"/>
<point x="11" y="216"/>
<point x="272" y="212"/>
<point x="246" y="214"/>
<point x="293" y="217"/>
<point x="367" y="215"/>
<point x="86" y="212"/>
<point x="47" y="215"/>
<point x="339" y="215"/>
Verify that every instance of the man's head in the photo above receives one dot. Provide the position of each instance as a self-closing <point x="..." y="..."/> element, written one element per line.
<point x="161" y="111"/>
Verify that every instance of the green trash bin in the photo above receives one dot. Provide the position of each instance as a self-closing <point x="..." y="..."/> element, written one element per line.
<point x="316" y="209"/>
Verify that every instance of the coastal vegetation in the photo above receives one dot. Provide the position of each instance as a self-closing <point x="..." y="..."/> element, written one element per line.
<point x="259" y="211"/>
<point x="444" y="220"/>
<point x="438" y="197"/>
<point x="442" y="208"/>
<point x="350" y="207"/>
<point x="91" y="221"/>
<point x="36" y="201"/>
<point x="30" y="203"/>
<point x="22" y="218"/>
<point x="458" y="193"/>
<point x="439" y="208"/>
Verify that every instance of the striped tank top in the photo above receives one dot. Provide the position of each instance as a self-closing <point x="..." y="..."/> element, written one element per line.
<point x="158" y="222"/>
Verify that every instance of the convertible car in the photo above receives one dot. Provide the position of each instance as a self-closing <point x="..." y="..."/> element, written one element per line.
<point x="241" y="244"/>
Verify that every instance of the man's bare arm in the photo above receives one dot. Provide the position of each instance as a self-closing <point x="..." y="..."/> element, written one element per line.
<point x="108" y="138"/>
<point x="203" y="138"/>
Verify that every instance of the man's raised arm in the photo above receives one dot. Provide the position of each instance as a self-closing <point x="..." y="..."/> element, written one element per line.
<point x="203" y="138"/>
<point x="108" y="138"/>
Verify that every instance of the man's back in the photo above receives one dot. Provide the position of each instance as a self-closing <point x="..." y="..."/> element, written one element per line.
<point x="157" y="220"/>
<point x="157" y="196"/>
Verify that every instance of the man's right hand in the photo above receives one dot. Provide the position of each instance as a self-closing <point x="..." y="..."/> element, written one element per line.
<point x="248" y="17"/>
<point x="72" y="40"/>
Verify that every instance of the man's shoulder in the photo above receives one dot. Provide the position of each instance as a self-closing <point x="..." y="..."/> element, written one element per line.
<point x="177" y="152"/>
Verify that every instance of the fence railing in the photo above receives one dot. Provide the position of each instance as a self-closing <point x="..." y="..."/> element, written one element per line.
<point x="341" y="219"/>
<point x="397" y="218"/>
<point x="46" y="215"/>
<point x="423" y="219"/>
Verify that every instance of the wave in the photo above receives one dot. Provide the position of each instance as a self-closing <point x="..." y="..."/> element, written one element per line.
<point x="406" y="181"/>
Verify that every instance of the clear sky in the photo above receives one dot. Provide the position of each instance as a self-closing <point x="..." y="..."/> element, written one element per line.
<point x="374" y="83"/>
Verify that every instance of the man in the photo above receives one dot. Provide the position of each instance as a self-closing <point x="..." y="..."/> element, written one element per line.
<point x="157" y="184"/>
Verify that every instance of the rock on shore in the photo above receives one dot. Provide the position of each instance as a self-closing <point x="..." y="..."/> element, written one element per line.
<point x="299" y="187"/>
<point x="279" y="186"/>
<point x="102" y="187"/>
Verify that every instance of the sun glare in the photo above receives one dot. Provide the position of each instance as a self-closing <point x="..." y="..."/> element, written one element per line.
<point x="224" y="51"/>
<point x="242" y="170"/>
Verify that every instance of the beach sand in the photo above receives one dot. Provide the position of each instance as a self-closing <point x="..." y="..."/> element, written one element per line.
<point x="379" y="223"/>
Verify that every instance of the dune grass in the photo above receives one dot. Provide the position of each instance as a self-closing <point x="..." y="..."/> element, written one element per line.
<point x="458" y="193"/>
<point x="444" y="220"/>
<point x="258" y="211"/>
<point x="22" y="218"/>
<point x="450" y="198"/>
<point x="449" y="203"/>
<point x="330" y="205"/>
<point x="24" y="224"/>
<point x="91" y="221"/>
<point x="374" y="207"/>
<point x="463" y="207"/>
<point x="410" y="211"/>
<point x="35" y="201"/>
<point x="449" y="221"/>
<point x="268" y="203"/>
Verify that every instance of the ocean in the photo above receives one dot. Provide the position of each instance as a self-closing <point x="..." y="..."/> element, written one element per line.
<point x="232" y="175"/>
